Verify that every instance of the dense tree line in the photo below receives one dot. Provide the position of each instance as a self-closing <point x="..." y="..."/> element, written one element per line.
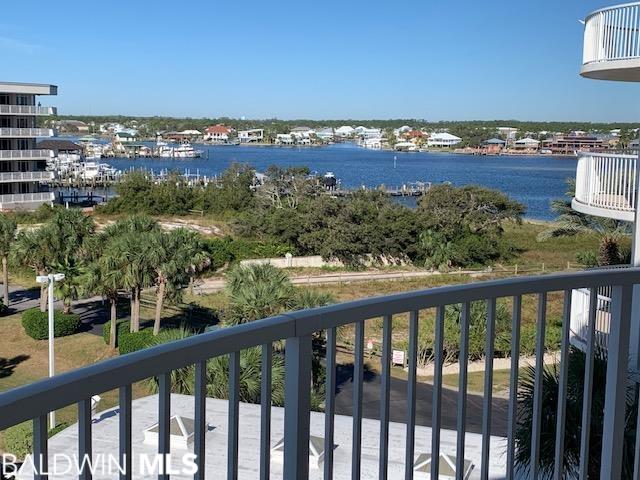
<point x="451" y="226"/>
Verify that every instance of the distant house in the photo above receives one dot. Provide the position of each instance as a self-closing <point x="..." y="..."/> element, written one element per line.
<point x="73" y="126"/>
<point x="345" y="131"/>
<point x="217" y="133"/>
<point x="527" y="144"/>
<point x="325" y="134"/>
<point x="443" y="140"/>
<point x="365" y="132"/>
<point x="125" y="137"/>
<point x="285" y="139"/>
<point x="493" y="145"/>
<point x="255" y="135"/>
<point x="302" y="132"/>
<point x="508" y="132"/>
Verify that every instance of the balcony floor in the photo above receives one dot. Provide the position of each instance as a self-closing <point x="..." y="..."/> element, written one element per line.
<point x="105" y="441"/>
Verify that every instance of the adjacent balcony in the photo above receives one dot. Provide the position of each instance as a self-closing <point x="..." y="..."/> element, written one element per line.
<point x="612" y="44"/>
<point x="26" y="132"/>
<point x="27" y="110"/>
<point x="241" y="437"/>
<point x="37" y="154"/>
<point x="606" y="185"/>
<point x="25" y="200"/>
<point x="10" y="177"/>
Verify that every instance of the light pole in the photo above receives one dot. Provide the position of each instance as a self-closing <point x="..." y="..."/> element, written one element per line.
<point x="49" y="281"/>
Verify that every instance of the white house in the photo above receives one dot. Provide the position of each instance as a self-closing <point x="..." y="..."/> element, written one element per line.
<point x="302" y="132"/>
<point x="365" y="132"/>
<point x="217" y="133"/>
<point x="345" y="131"/>
<point x="250" y="136"/>
<point x="443" y="139"/>
<point x="285" y="139"/>
<point x="325" y="134"/>
<point x="527" y="143"/>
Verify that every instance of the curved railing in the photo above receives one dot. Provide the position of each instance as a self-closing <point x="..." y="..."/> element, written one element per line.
<point x="34" y="401"/>
<point x="606" y="185"/>
<point x="612" y="33"/>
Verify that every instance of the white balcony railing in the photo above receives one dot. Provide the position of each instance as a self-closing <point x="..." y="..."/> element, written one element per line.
<point x="26" y="132"/>
<point x="7" y="201"/>
<point x="6" y="177"/>
<point x="26" y="110"/>
<point x="25" y="154"/>
<point x="606" y="185"/>
<point x="612" y="43"/>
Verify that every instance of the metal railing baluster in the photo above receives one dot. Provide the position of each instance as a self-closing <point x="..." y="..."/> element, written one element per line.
<point x="84" y="439"/>
<point x="358" y="377"/>
<point x="124" y="428"/>
<point x="164" y="420"/>
<point x="463" y="358"/>
<point x="330" y="403"/>
<point x="385" y="391"/>
<point x="297" y="405"/>
<point x="437" y="393"/>
<point x="562" y="387"/>
<point x="200" y="420"/>
<point x="265" y="411"/>
<point x="411" y="394"/>
<point x="234" y="415"/>
<point x="40" y="448"/>
<point x="513" y="384"/>
<point x="587" y="393"/>
<point x="488" y="388"/>
<point x="536" y="426"/>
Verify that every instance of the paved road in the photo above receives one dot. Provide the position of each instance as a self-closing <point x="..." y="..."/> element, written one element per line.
<point x="424" y="396"/>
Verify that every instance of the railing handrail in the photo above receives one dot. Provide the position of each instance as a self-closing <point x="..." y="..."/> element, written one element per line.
<point x="26" y="197"/>
<point x="38" y="398"/>
<point x="33" y="174"/>
<point x="28" y="131"/>
<point x="610" y="8"/>
<point x="27" y="110"/>
<point x="32" y="153"/>
<point x="631" y="156"/>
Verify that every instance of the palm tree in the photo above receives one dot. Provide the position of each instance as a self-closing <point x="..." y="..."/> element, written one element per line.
<point x="32" y="250"/>
<point x="7" y="236"/>
<point x="257" y="291"/>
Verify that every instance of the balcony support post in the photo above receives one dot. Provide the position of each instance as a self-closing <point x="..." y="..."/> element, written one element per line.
<point x="297" y="404"/>
<point x="634" y="337"/>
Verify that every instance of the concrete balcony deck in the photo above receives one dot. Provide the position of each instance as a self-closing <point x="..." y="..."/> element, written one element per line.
<point x="27" y="132"/>
<point x="606" y="185"/>
<point x="27" y="110"/>
<point x="12" y="177"/>
<point x="612" y="43"/>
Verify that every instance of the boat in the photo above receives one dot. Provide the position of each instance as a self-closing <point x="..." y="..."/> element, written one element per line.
<point x="184" y="150"/>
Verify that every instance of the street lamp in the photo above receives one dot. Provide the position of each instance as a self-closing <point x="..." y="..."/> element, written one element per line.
<point x="49" y="281"/>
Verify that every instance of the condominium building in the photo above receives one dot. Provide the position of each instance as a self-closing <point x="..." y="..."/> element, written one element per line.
<point x="22" y="165"/>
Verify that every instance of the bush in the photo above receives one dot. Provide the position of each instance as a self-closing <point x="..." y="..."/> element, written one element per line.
<point x="18" y="439"/>
<point x="3" y="307"/>
<point x="36" y="323"/>
<point x="127" y="341"/>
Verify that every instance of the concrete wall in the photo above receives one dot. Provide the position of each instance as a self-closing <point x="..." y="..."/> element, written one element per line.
<point x="289" y="261"/>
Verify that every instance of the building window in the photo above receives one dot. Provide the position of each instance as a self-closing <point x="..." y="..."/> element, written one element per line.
<point x="4" y="99"/>
<point x="22" y="100"/>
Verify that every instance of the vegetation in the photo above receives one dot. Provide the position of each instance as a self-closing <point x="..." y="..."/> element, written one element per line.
<point x="18" y="439"/>
<point x="576" y="368"/>
<point x="36" y="323"/>
<point x="8" y="228"/>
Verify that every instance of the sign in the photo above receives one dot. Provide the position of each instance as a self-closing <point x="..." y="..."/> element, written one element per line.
<point x="398" y="357"/>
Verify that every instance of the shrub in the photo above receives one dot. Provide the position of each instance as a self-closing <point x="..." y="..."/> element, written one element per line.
<point x="106" y="331"/>
<point x="19" y="438"/>
<point x="127" y="341"/>
<point x="36" y="323"/>
<point x="3" y="308"/>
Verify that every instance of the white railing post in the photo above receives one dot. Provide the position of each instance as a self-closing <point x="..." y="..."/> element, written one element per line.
<point x="616" y="384"/>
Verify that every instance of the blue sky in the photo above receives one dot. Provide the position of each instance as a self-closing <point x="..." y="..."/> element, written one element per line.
<point x="438" y="60"/>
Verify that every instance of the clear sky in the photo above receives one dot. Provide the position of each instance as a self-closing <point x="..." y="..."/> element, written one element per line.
<point x="438" y="60"/>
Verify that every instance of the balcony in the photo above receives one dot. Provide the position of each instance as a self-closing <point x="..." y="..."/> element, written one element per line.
<point x="26" y="132"/>
<point x="38" y="154"/>
<point x="365" y="448"/>
<point x="25" y="200"/>
<point x="27" y="110"/>
<point x="10" y="177"/>
<point x="612" y="44"/>
<point x="606" y="185"/>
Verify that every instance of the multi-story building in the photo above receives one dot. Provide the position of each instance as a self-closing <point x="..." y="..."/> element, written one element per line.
<point x="22" y="164"/>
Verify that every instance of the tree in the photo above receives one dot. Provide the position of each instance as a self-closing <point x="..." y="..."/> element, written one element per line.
<point x="32" y="250"/>
<point x="7" y="237"/>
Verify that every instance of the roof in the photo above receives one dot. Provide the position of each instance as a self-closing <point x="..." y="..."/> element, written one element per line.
<point x="444" y="136"/>
<point x="57" y="145"/>
<point x="494" y="141"/>
<point x="28" y="88"/>
<point x="218" y="129"/>
<point x="528" y="140"/>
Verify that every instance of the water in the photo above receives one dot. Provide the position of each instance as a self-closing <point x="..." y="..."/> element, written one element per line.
<point x="532" y="180"/>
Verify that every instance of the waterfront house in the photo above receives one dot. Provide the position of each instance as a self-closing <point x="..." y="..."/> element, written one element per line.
<point x="365" y="132"/>
<point x="509" y="133"/>
<point x="72" y="126"/>
<point x="527" y="143"/>
<point x="125" y="137"/>
<point x="443" y="140"/>
<point x="217" y="134"/>
<point x="255" y="135"/>
<point x="302" y="132"/>
<point x="285" y="139"/>
<point x="493" y="146"/>
<point x="345" y="131"/>
<point x="325" y="134"/>
<point x="567" y="144"/>
<point x="22" y="163"/>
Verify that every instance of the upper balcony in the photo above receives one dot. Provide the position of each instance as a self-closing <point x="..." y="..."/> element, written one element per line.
<point x="606" y="185"/>
<point x="14" y="177"/>
<point x="26" y="132"/>
<point x="37" y="154"/>
<point x="27" y="110"/>
<point x="242" y="437"/>
<point x="612" y="43"/>
<point x="19" y="201"/>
